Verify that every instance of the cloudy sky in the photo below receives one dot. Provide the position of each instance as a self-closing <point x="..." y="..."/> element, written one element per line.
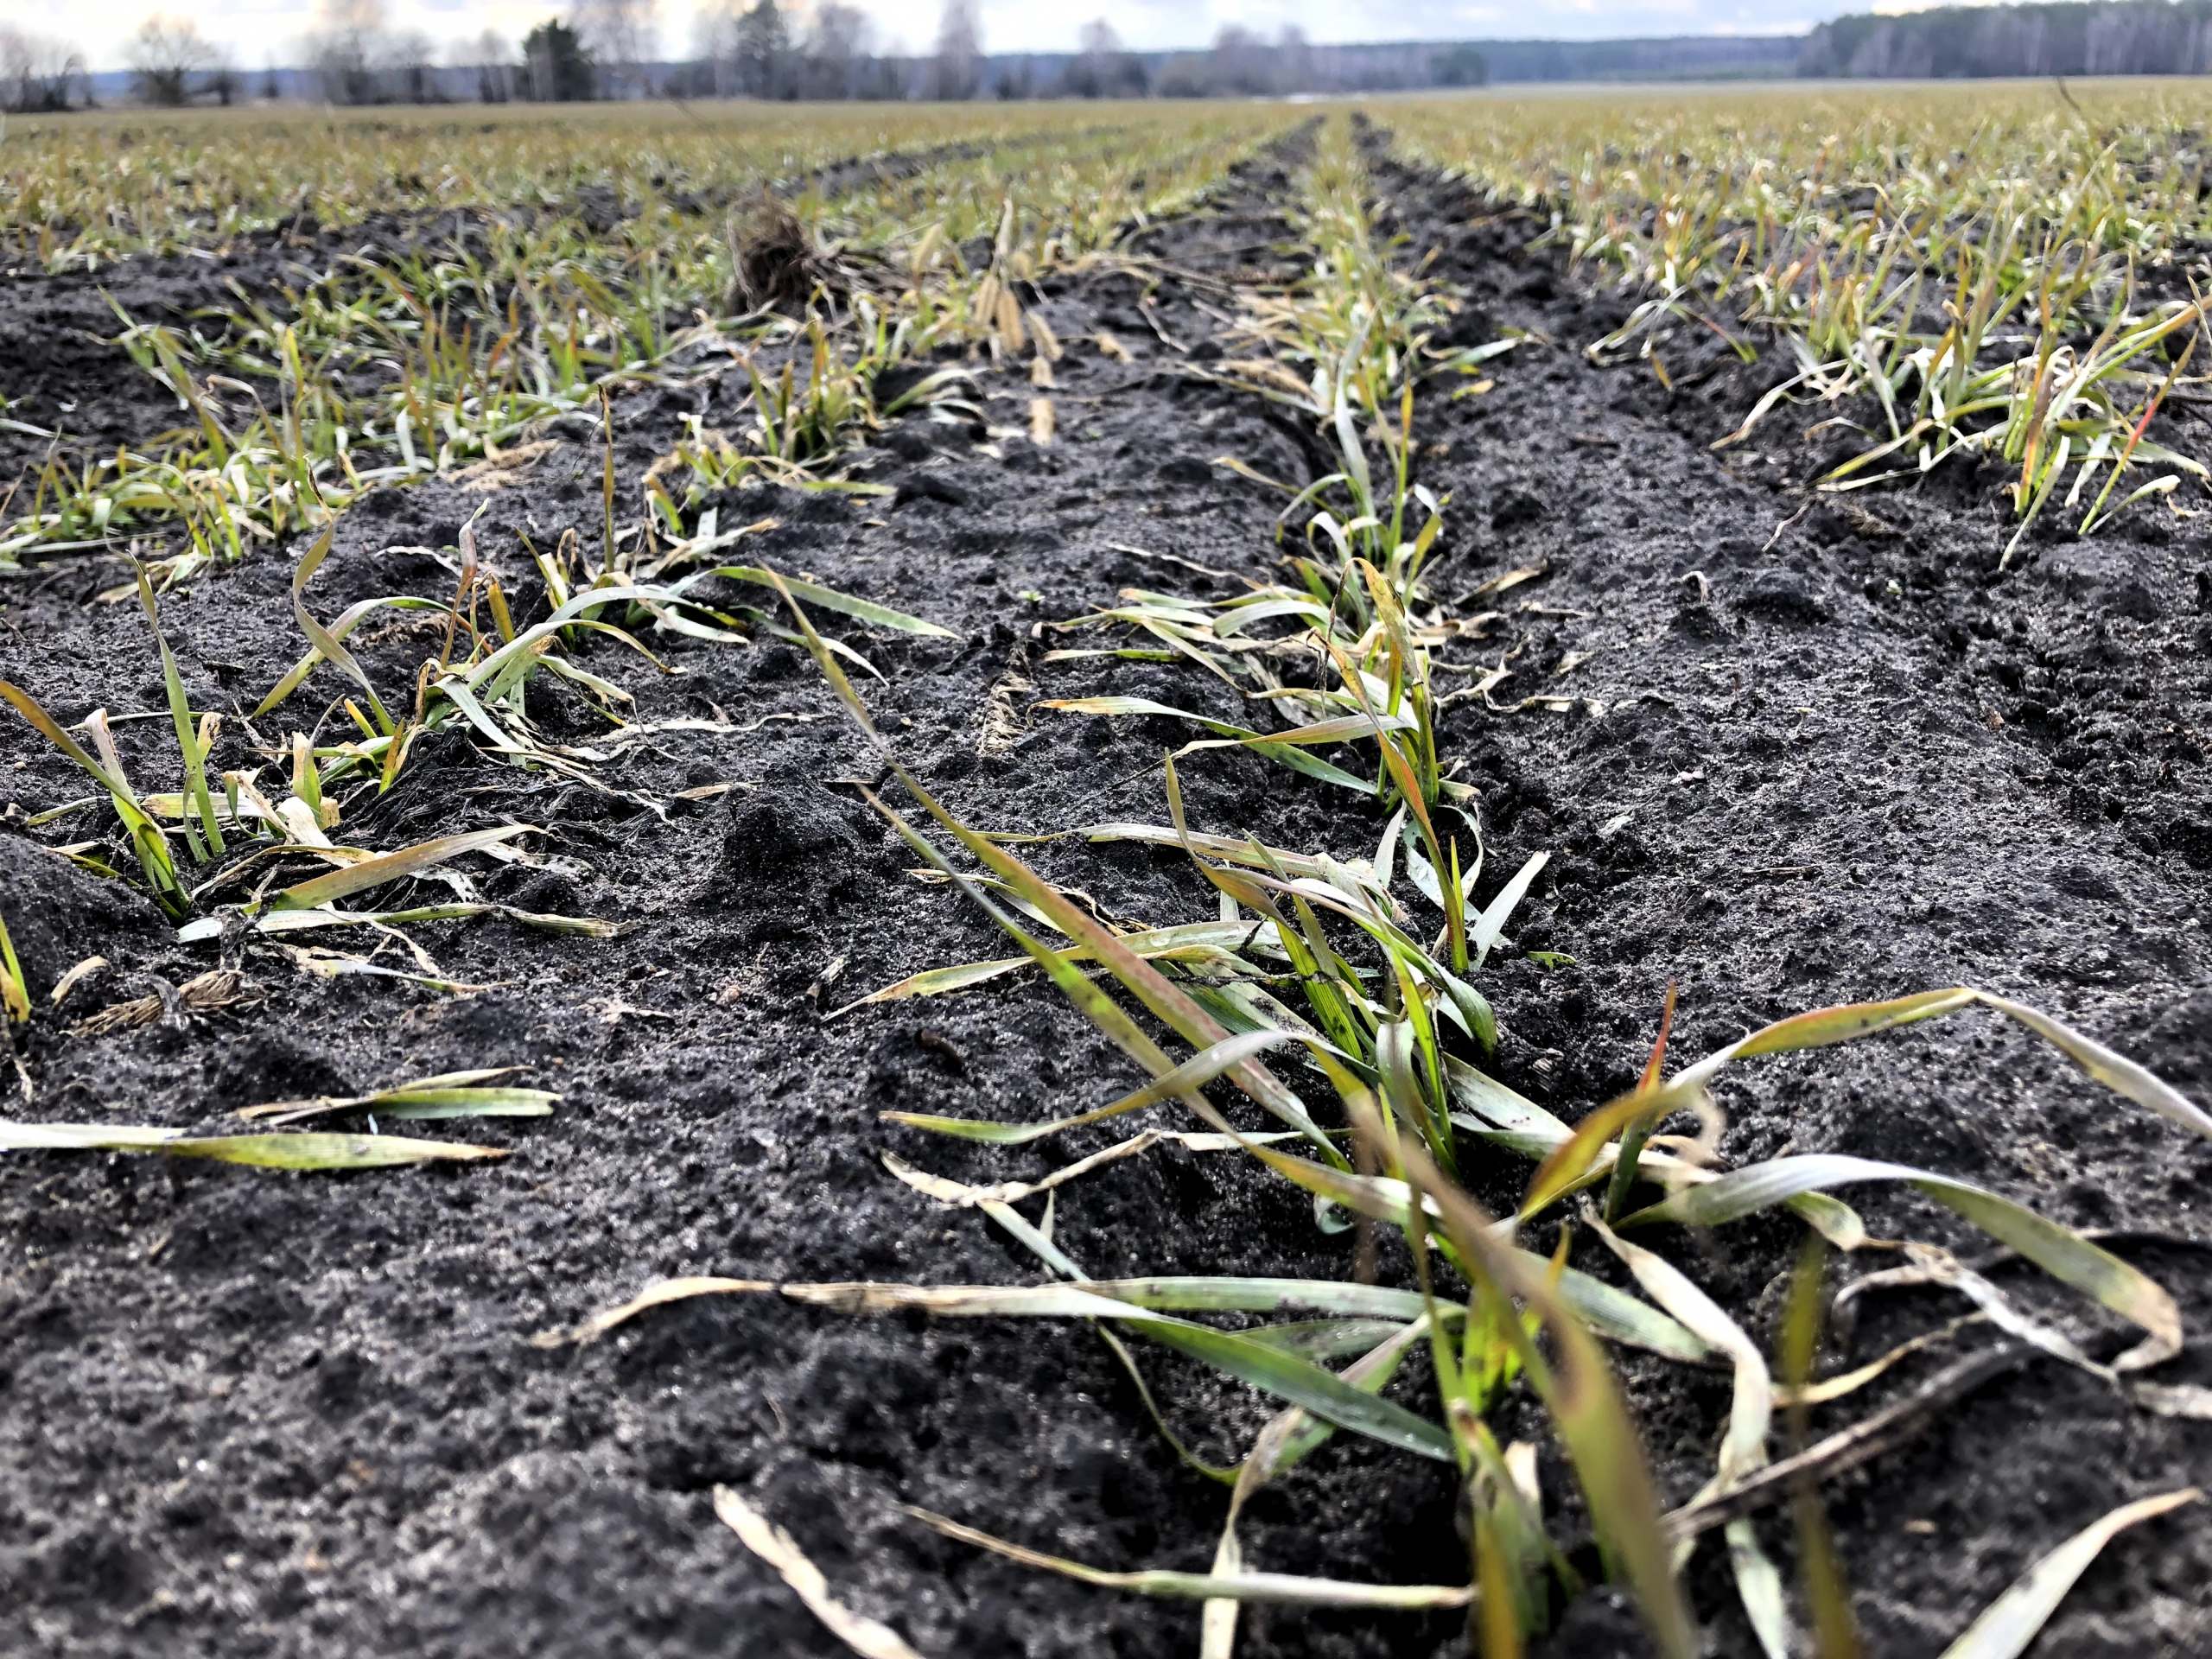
<point x="258" y="31"/>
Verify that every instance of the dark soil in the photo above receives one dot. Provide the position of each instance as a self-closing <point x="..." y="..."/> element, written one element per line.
<point x="61" y="370"/>
<point x="1844" y="760"/>
<point x="251" y="1413"/>
<point x="65" y="374"/>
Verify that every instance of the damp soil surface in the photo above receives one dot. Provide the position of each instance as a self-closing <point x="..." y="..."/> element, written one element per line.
<point x="73" y="397"/>
<point x="1782" y="751"/>
<point x="68" y="394"/>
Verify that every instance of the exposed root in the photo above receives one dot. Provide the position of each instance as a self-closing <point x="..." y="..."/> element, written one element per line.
<point x="779" y="264"/>
<point x="1003" y="725"/>
<point x="206" y="994"/>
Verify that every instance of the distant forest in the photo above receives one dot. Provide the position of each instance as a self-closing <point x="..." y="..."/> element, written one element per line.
<point x="2081" y="37"/>
<point x="762" y="50"/>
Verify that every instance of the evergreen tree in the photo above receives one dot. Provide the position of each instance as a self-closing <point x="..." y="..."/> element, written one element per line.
<point x="763" y="51"/>
<point x="559" y="69"/>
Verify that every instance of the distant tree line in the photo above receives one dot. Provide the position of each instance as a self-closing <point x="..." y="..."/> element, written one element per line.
<point x="1680" y="57"/>
<point x="756" y="48"/>
<point x="768" y="49"/>
<point x="790" y="49"/>
<point x="779" y="49"/>
<point x="2109" y="37"/>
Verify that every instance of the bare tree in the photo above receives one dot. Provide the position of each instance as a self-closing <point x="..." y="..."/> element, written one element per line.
<point x="884" y="76"/>
<point x="1293" y="61"/>
<point x="835" y="53"/>
<point x="1102" y="68"/>
<point x="957" y="70"/>
<point x="619" y="34"/>
<point x="1242" y="62"/>
<point x="55" y="65"/>
<point x="37" y="72"/>
<point x="408" y="75"/>
<point x="714" y="50"/>
<point x="165" y="53"/>
<point x="492" y="62"/>
<point x="346" y="49"/>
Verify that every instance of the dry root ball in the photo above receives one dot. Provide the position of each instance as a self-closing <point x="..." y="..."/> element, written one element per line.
<point x="779" y="264"/>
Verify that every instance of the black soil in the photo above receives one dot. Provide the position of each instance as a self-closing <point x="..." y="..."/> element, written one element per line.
<point x="251" y="1413"/>
<point x="61" y="372"/>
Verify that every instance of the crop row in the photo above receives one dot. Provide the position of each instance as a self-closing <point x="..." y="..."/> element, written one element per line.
<point x="2006" y="276"/>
